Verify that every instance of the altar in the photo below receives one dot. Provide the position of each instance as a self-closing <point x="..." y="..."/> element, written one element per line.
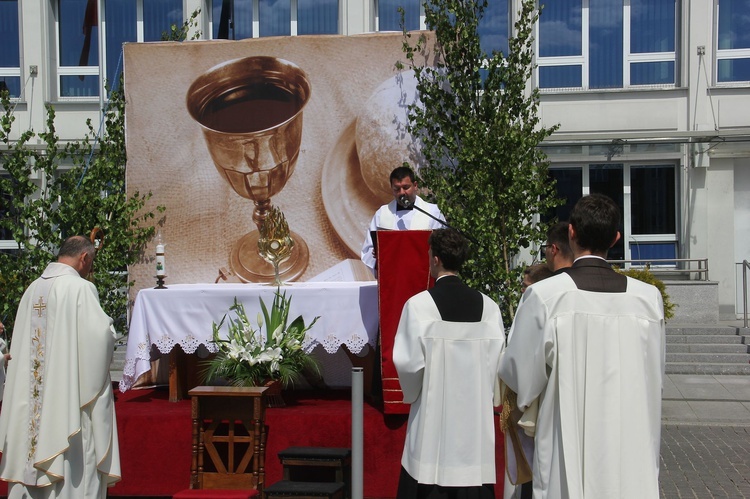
<point x="183" y="314"/>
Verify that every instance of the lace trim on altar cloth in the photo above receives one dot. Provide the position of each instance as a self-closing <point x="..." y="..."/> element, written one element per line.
<point x="164" y="345"/>
<point x="332" y="343"/>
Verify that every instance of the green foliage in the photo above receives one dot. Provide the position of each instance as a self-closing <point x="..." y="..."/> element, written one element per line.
<point x="479" y="129"/>
<point x="48" y="203"/>
<point x="179" y="34"/>
<point x="648" y="277"/>
<point x="43" y="203"/>
<point x="251" y="357"/>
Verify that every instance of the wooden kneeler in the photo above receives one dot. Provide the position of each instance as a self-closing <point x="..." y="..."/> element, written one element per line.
<point x="229" y="439"/>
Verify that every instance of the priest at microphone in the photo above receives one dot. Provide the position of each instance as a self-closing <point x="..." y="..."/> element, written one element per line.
<point x="407" y="211"/>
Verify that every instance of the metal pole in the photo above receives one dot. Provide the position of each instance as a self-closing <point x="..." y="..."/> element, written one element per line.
<point x="357" y="433"/>
<point x="744" y="288"/>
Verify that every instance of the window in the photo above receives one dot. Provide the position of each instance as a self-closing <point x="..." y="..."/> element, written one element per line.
<point x="606" y="43"/>
<point x="646" y="194"/>
<point x="123" y="21"/>
<point x="733" y="44"/>
<point x="493" y="28"/>
<point x="8" y="214"/>
<point x="239" y="19"/>
<point x="10" y="55"/>
<point x="389" y="18"/>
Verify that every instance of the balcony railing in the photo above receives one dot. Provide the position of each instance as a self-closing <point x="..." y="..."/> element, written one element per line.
<point x="669" y="268"/>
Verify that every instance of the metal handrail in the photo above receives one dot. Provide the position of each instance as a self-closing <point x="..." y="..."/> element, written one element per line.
<point x="745" y="266"/>
<point x="701" y="271"/>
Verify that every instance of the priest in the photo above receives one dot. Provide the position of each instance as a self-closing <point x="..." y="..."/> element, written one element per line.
<point x="400" y="213"/>
<point x="446" y="352"/>
<point x="57" y="427"/>
<point x="590" y="344"/>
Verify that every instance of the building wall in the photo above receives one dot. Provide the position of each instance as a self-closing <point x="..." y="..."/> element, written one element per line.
<point x="712" y="173"/>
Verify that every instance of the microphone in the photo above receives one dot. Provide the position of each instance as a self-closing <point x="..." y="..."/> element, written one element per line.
<point x="404" y="201"/>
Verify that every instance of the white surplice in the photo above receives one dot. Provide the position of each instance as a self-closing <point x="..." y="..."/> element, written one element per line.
<point x="447" y="373"/>
<point x="57" y="426"/>
<point x="390" y="217"/>
<point x="596" y="361"/>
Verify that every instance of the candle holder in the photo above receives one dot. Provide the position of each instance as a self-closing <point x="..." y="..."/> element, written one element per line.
<point x="160" y="282"/>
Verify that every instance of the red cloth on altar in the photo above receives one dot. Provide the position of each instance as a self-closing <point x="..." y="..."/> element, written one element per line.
<point x="403" y="271"/>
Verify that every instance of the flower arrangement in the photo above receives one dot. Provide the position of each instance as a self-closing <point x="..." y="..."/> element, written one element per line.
<point x="252" y="357"/>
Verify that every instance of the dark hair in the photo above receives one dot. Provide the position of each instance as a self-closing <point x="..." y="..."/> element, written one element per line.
<point x="450" y="246"/>
<point x="75" y="245"/>
<point x="401" y="173"/>
<point x="538" y="272"/>
<point x="558" y="235"/>
<point x="595" y="219"/>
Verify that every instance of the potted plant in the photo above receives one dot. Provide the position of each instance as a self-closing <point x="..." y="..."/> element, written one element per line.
<point x="251" y="356"/>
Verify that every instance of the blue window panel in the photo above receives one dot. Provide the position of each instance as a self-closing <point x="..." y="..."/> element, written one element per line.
<point x="607" y="179"/>
<point x="10" y="54"/>
<point x="652" y="26"/>
<point x="275" y="17"/>
<point x="79" y="33"/>
<point x="12" y="84"/>
<point x="652" y="73"/>
<point x="389" y="18"/>
<point x="493" y="27"/>
<point x="734" y="24"/>
<point x="120" y="22"/>
<point x="79" y="86"/>
<point x="568" y="184"/>
<point x="734" y="70"/>
<point x="560" y="32"/>
<point x="232" y="19"/>
<point x="159" y="16"/>
<point x="560" y="76"/>
<point x="652" y="199"/>
<point x="605" y="44"/>
<point x="317" y="17"/>
<point x="652" y="251"/>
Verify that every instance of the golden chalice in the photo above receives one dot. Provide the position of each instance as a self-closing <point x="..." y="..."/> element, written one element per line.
<point x="250" y="112"/>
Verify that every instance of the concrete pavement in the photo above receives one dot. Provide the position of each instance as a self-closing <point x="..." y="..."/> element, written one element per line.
<point x="705" y="441"/>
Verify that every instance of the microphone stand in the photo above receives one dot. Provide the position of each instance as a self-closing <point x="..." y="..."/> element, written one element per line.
<point x="406" y="203"/>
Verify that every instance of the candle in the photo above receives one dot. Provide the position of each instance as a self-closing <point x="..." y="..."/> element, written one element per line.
<point x="161" y="270"/>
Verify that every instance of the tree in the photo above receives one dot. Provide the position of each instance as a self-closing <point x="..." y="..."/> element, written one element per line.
<point x="68" y="201"/>
<point x="479" y="131"/>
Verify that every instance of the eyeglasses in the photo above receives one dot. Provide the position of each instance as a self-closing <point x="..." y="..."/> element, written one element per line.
<point x="543" y="250"/>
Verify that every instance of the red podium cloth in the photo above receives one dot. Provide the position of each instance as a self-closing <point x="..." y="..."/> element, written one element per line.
<point x="403" y="271"/>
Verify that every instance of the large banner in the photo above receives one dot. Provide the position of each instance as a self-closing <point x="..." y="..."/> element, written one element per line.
<point x="220" y="131"/>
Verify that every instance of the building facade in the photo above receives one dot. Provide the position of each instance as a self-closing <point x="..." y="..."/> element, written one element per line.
<point x="652" y="97"/>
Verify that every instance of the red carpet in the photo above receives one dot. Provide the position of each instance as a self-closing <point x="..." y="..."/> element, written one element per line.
<point x="155" y="440"/>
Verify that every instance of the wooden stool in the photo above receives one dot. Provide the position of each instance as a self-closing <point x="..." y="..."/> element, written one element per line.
<point x="304" y="490"/>
<point x="318" y="464"/>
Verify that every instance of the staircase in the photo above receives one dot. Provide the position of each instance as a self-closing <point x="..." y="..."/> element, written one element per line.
<point x="707" y="349"/>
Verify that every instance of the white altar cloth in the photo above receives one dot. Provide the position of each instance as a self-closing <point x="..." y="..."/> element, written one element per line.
<point x="183" y="315"/>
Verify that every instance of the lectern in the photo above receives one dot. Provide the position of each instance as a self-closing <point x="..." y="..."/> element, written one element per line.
<point x="403" y="271"/>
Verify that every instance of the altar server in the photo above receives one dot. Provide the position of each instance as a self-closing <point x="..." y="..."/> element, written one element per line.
<point x="589" y="343"/>
<point x="57" y="427"/>
<point x="446" y="352"/>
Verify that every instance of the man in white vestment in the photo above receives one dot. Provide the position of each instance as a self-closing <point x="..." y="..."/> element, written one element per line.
<point x="401" y="214"/>
<point x="447" y="351"/>
<point x="590" y="344"/>
<point x="58" y="427"/>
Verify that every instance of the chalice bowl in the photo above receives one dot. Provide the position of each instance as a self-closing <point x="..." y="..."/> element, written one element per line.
<point x="250" y="112"/>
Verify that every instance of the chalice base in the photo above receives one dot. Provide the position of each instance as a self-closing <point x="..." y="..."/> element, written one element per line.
<point x="249" y="266"/>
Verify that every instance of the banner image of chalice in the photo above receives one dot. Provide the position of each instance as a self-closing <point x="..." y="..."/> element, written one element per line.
<point x="250" y="112"/>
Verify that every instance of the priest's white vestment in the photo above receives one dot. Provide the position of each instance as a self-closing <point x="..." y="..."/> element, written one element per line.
<point x="596" y="361"/>
<point x="447" y="371"/>
<point x="57" y="427"/>
<point x="390" y="217"/>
